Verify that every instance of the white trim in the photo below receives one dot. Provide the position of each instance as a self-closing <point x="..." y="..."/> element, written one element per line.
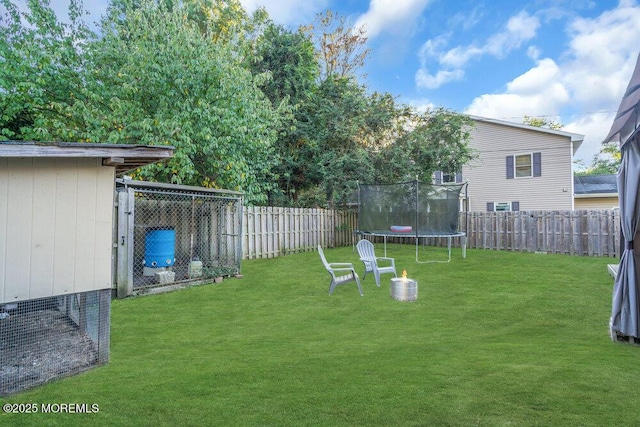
<point x="495" y="207"/>
<point x="573" y="179"/>
<point x="595" y="195"/>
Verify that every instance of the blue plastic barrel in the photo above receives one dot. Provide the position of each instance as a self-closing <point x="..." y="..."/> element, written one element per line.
<point x="160" y="246"/>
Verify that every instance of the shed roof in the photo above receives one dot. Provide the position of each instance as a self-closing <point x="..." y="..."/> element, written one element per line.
<point x="146" y="185"/>
<point x="124" y="157"/>
<point x="595" y="184"/>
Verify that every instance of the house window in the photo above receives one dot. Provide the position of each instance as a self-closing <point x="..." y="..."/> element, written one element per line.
<point x="503" y="206"/>
<point x="446" y="177"/>
<point x="524" y="165"/>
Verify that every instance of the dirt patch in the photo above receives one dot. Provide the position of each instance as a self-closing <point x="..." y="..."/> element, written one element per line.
<point x="40" y="346"/>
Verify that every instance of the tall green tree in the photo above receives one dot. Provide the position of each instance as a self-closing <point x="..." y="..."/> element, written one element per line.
<point x="434" y="140"/>
<point x="168" y="81"/>
<point x="288" y="58"/>
<point x="41" y="70"/>
<point x="155" y="76"/>
<point x="335" y="159"/>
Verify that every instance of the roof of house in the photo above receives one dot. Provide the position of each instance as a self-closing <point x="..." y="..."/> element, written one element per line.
<point x="575" y="138"/>
<point x="593" y="185"/>
<point x="124" y="157"/>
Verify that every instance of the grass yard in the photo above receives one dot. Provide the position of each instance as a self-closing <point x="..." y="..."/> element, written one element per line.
<point x="495" y="339"/>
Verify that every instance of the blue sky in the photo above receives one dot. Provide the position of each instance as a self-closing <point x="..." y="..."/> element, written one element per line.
<point x="567" y="60"/>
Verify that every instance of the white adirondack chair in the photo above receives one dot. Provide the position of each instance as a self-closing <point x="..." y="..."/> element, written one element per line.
<point x="341" y="272"/>
<point x="371" y="261"/>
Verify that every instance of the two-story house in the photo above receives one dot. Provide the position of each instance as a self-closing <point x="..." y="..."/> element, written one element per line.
<point x="519" y="167"/>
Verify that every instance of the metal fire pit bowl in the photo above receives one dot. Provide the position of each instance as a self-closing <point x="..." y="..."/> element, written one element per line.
<point x="404" y="289"/>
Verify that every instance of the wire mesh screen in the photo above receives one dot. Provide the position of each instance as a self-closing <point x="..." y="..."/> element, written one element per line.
<point x="409" y="208"/>
<point x="49" y="338"/>
<point x="183" y="236"/>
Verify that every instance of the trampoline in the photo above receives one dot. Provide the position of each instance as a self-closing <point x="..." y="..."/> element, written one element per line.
<point x="411" y="210"/>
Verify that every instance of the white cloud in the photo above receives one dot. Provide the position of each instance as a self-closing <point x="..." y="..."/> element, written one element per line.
<point x="459" y="56"/>
<point x="594" y="127"/>
<point x="602" y="56"/>
<point x="539" y="89"/>
<point x="584" y="86"/>
<point x="421" y="105"/>
<point x="518" y="30"/>
<point x="391" y="15"/>
<point x="545" y="74"/>
<point x="432" y="81"/>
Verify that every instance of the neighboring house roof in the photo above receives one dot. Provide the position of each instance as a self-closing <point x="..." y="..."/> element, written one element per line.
<point x="575" y="138"/>
<point x="123" y="157"/>
<point x="595" y="185"/>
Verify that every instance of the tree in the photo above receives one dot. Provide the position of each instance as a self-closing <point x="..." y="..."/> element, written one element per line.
<point x="288" y="59"/>
<point x="154" y="77"/>
<point x="607" y="161"/>
<point x="542" y="122"/>
<point x="341" y="48"/>
<point x="167" y="81"/>
<point x="437" y="140"/>
<point x="41" y="70"/>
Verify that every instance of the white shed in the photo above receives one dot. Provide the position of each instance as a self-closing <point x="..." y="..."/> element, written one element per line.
<point x="56" y="228"/>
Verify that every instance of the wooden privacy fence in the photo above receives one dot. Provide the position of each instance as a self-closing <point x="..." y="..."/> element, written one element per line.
<point x="270" y="232"/>
<point x="581" y="232"/>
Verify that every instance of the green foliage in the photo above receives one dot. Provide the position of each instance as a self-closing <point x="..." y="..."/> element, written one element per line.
<point x="41" y="71"/>
<point x="542" y="122"/>
<point x="289" y="59"/>
<point x="607" y="161"/>
<point x="334" y="156"/>
<point x="176" y="86"/>
<point x="154" y="77"/>
<point x="438" y="141"/>
<point x="248" y="105"/>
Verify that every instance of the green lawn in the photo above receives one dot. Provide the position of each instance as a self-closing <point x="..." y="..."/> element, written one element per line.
<point x="495" y="339"/>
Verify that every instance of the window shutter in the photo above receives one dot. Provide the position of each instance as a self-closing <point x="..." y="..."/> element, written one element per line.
<point x="490" y="207"/>
<point x="438" y="177"/>
<point x="459" y="177"/>
<point x="537" y="164"/>
<point x="509" y="167"/>
<point x="515" y="206"/>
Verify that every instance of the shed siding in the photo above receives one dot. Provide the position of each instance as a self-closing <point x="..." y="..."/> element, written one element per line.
<point x="55" y="227"/>
<point x="596" y="202"/>
<point x="488" y="181"/>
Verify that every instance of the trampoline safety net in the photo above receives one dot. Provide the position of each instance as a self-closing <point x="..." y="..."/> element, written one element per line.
<point x="409" y="208"/>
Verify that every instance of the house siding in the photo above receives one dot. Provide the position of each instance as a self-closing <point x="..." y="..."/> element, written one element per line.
<point x="55" y="226"/>
<point x="488" y="181"/>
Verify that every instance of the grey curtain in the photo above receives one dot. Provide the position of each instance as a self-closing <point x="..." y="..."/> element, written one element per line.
<point x="624" y="309"/>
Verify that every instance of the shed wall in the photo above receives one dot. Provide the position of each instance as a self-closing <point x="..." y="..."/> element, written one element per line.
<point x="596" y="202"/>
<point x="55" y="226"/>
